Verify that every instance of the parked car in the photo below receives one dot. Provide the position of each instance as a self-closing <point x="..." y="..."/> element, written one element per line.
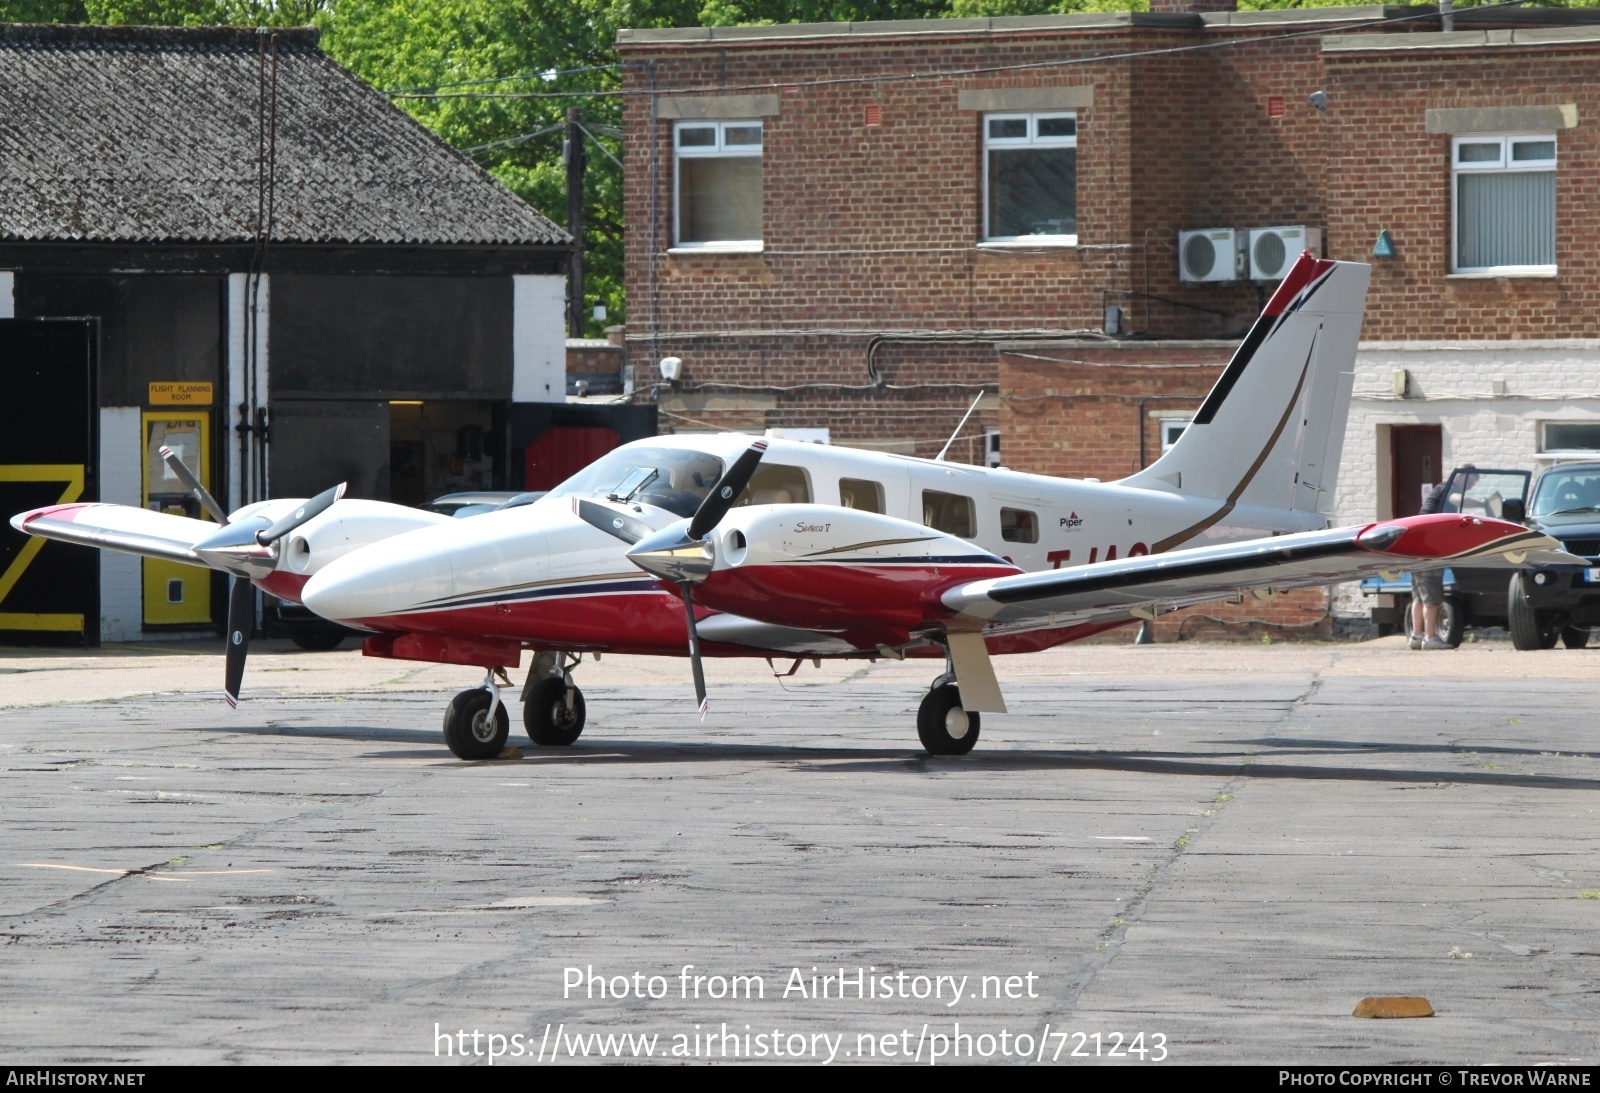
<point x="307" y="630"/>
<point x="1538" y="605"/>
<point x="470" y="503"/>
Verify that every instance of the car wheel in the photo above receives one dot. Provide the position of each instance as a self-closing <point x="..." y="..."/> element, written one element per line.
<point x="1575" y="637"/>
<point x="1452" y="624"/>
<point x="1529" y="629"/>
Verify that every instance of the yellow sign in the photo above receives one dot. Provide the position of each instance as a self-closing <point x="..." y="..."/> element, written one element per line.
<point x="180" y="394"/>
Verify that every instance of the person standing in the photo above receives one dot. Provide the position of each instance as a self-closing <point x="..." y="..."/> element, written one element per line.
<point x="1427" y="589"/>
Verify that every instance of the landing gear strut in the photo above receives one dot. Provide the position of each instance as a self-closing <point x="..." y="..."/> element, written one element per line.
<point x="553" y="709"/>
<point x="476" y="723"/>
<point x="943" y="725"/>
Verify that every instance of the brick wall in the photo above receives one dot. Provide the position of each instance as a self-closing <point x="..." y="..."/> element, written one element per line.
<point x="871" y="228"/>
<point x="1388" y="172"/>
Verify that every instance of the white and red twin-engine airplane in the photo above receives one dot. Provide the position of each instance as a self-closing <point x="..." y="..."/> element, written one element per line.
<point x="713" y="544"/>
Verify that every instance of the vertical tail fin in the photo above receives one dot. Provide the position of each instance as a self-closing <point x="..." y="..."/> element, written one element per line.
<point x="1271" y="431"/>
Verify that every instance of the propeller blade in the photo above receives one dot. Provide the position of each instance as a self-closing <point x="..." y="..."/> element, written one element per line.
<point x="612" y="522"/>
<point x="694" y="651"/>
<point x="241" y="620"/>
<point x="722" y="495"/>
<point x="314" y="507"/>
<point x="192" y="484"/>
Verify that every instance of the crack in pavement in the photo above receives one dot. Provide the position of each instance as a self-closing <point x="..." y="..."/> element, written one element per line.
<point x="1112" y="937"/>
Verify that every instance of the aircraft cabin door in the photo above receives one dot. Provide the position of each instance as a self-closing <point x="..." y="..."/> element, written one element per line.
<point x="176" y="594"/>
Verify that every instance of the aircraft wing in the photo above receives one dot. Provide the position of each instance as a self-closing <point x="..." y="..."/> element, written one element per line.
<point x="1146" y="586"/>
<point x="119" y="527"/>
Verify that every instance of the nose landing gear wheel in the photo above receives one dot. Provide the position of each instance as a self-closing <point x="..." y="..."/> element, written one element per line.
<point x="468" y="729"/>
<point x="944" y="727"/>
<point x="548" y="719"/>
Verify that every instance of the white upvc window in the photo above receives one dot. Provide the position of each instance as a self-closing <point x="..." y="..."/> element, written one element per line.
<point x="1171" y="429"/>
<point x="1504" y="195"/>
<point x="717" y="185"/>
<point x="1030" y="178"/>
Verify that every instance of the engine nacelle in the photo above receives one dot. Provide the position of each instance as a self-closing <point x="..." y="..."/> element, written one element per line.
<point x="840" y="570"/>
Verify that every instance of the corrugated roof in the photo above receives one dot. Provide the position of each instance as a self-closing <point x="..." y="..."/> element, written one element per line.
<point x="150" y="134"/>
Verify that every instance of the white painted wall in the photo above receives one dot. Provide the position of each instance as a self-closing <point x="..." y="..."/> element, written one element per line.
<point x="8" y="305"/>
<point x="539" y="339"/>
<point x="121" y="577"/>
<point x="1453" y="385"/>
<point x="238" y="316"/>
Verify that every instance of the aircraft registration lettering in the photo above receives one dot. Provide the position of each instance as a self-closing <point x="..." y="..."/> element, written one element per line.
<point x="1056" y="557"/>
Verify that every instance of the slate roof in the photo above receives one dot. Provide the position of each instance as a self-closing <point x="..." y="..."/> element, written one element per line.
<point x="149" y="135"/>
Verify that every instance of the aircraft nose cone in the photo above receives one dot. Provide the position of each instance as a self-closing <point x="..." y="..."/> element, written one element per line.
<point x="371" y="582"/>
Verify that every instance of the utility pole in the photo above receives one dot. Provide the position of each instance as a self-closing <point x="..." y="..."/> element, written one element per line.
<point x="572" y="152"/>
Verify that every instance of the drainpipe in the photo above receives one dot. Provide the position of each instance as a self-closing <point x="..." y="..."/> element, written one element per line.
<point x="1447" y="19"/>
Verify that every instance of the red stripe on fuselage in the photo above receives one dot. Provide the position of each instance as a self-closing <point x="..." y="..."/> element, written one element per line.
<point x="632" y="622"/>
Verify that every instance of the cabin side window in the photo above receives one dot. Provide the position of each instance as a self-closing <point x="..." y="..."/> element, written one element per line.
<point x="1019" y="526"/>
<point x="777" y="484"/>
<point x="950" y="513"/>
<point x="861" y="494"/>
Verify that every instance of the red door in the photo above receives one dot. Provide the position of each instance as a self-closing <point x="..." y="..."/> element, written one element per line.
<point x="1415" y="456"/>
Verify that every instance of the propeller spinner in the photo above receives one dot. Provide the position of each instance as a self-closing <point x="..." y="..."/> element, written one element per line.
<point x="683" y="553"/>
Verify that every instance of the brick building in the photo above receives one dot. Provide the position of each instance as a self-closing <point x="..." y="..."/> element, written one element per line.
<point x="864" y="226"/>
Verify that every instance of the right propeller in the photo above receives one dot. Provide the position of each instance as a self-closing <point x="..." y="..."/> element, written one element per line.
<point x="683" y="554"/>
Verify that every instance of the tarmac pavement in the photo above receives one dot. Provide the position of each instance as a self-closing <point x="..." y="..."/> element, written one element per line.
<point x="1222" y="847"/>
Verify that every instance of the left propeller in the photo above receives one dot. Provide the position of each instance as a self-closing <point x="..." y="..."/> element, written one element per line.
<point x="683" y="553"/>
<point x="243" y="549"/>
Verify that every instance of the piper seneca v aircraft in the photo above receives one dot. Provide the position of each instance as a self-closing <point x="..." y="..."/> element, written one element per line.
<point x="713" y="545"/>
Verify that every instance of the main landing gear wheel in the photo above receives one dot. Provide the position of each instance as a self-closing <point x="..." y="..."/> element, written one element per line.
<point x="946" y="728"/>
<point x="550" y="721"/>
<point x="469" y="730"/>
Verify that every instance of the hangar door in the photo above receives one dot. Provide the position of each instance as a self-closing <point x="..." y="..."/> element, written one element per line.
<point x="49" y="592"/>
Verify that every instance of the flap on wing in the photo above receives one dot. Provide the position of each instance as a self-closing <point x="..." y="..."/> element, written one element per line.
<point x="118" y="527"/>
<point x="1161" y="582"/>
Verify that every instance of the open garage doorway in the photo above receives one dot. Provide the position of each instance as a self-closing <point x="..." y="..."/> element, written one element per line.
<point x="444" y="446"/>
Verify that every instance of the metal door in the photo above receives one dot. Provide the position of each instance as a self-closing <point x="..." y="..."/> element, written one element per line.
<point x="48" y="591"/>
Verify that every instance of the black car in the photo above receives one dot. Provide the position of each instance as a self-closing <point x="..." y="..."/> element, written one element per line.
<point x="1547" y="603"/>
<point x="1539" y="605"/>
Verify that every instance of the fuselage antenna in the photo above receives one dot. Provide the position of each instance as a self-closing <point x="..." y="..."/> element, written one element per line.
<point x="944" y="450"/>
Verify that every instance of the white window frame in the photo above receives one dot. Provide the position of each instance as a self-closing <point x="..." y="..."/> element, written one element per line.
<point x="720" y="150"/>
<point x="1167" y="425"/>
<point x="1032" y="140"/>
<point x="1503" y="164"/>
<point x="1568" y="454"/>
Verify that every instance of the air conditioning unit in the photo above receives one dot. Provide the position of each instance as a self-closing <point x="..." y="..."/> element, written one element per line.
<point x="1211" y="255"/>
<point x="1273" y="250"/>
